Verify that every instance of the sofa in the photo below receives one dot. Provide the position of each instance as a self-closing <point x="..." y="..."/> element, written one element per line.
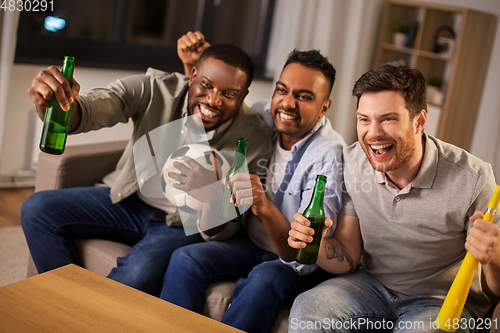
<point x="85" y="165"/>
<point x="73" y="168"/>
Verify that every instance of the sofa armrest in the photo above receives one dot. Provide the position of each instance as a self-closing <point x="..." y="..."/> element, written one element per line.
<point x="82" y="165"/>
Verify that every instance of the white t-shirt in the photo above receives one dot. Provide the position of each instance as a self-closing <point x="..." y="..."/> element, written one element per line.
<point x="275" y="173"/>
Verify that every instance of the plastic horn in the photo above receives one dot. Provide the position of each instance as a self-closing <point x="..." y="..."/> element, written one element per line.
<point x="455" y="300"/>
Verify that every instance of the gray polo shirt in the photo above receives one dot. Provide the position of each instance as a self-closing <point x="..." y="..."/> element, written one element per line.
<point x="413" y="238"/>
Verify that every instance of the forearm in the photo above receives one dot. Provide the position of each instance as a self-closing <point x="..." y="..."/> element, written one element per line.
<point x="188" y="68"/>
<point x="492" y="274"/>
<point x="211" y="219"/>
<point x="277" y="227"/>
<point x="340" y="254"/>
<point x="333" y="257"/>
<point x="76" y="117"/>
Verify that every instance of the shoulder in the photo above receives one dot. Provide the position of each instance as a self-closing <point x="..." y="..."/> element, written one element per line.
<point x="174" y="83"/>
<point x="328" y="136"/>
<point x="160" y="76"/>
<point x="263" y="109"/>
<point x="353" y="152"/>
<point x="327" y="142"/>
<point x="453" y="158"/>
<point x="248" y="120"/>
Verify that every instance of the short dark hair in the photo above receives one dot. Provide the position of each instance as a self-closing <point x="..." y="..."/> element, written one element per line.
<point x="313" y="59"/>
<point x="410" y="82"/>
<point x="231" y="55"/>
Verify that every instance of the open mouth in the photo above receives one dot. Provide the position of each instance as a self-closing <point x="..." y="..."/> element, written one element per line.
<point x="381" y="150"/>
<point x="206" y="112"/>
<point x="287" y="116"/>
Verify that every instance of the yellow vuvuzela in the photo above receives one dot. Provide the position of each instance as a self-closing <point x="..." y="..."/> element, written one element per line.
<point x="455" y="300"/>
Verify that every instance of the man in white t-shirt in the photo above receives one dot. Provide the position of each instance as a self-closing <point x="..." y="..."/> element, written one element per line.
<point x="305" y="145"/>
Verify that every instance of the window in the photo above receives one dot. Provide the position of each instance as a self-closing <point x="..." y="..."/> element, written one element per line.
<point x="136" y="34"/>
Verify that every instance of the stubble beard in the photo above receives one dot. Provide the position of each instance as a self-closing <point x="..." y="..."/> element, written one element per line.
<point x="406" y="149"/>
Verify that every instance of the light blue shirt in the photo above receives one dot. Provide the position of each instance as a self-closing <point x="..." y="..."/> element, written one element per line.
<point x="318" y="153"/>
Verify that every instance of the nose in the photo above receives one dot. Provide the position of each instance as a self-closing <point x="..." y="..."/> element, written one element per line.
<point x="375" y="130"/>
<point x="289" y="102"/>
<point x="214" y="98"/>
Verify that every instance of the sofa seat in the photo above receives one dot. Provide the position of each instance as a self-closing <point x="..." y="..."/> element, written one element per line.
<point x="71" y="169"/>
<point x="99" y="256"/>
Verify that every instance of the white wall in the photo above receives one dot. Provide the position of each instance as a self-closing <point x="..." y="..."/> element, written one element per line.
<point x="23" y="129"/>
<point x="19" y="133"/>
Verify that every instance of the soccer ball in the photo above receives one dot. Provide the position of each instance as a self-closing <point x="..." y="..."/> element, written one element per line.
<point x="201" y="154"/>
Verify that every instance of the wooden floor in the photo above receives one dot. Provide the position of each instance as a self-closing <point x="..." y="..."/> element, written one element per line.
<point x="11" y="200"/>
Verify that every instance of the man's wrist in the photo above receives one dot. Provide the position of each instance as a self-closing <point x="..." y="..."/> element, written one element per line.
<point x="265" y="209"/>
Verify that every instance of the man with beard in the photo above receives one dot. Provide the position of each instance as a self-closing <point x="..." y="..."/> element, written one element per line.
<point x="305" y="145"/>
<point x="119" y="211"/>
<point x="409" y="202"/>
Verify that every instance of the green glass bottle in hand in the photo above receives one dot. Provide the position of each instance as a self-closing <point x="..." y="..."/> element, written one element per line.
<point x="56" y="123"/>
<point x="229" y="210"/>
<point x="316" y="215"/>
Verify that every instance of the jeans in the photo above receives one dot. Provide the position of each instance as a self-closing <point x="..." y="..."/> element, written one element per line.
<point x="264" y="283"/>
<point x="359" y="303"/>
<point x="52" y="221"/>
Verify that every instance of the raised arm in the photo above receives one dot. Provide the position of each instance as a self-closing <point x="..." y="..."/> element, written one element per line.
<point x="189" y="49"/>
<point x="49" y="83"/>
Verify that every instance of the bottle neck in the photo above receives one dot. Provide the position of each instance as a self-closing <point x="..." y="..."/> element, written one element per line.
<point x="67" y="69"/>
<point x="240" y="156"/>
<point x="316" y="203"/>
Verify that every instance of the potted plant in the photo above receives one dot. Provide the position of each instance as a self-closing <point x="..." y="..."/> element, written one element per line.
<point x="400" y="29"/>
<point x="433" y="89"/>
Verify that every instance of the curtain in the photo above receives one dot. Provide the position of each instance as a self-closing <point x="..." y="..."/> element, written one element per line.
<point x="8" y="26"/>
<point x="344" y="31"/>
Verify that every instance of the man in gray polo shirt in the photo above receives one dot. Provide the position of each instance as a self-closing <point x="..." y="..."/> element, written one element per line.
<point x="410" y="200"/>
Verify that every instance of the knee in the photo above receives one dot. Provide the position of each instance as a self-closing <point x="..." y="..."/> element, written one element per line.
<point x="187" y="261"/>
<point x="266" y="279"/>
<point x="30" y="208"/>
<point x="306" y="301"/>
<point x="267" y="274"/>
<point x="316" y="304"/>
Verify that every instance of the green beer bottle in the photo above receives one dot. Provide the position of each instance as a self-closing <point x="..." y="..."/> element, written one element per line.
<point x="316" y="215"/>
<point x="56" y="123"/>
<point x="229" y="210"/>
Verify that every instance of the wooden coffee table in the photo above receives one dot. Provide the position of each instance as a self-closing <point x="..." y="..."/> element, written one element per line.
<point x="73" y="299"/>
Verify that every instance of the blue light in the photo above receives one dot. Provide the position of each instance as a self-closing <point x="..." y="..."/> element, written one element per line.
<point x="54" y="23"/>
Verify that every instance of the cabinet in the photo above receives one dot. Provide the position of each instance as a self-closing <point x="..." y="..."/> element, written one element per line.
<point x="461" y="63"/>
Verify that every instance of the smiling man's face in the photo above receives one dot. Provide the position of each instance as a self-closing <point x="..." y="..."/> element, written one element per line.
<point x="300" y="98"/>
<point x="216" y="92"/>
<point x="385" y="131"/>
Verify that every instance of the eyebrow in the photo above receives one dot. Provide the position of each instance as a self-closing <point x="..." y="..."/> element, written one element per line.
<point x="381" y="116"/>
<point x="228" y="89"/>
<point x="298" y="92"/>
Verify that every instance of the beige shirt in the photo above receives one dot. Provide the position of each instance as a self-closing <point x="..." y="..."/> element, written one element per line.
<point x="154" y="99"/>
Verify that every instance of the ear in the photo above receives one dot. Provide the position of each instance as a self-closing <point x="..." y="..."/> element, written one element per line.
<point x="420" y="121"/>
<point x="324" y="107"/>
<point x="243" y="96"/>
<point x="194" y="72"/>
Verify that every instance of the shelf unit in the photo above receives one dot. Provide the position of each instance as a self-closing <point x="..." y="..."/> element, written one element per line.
<point x="463" y="71"/>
